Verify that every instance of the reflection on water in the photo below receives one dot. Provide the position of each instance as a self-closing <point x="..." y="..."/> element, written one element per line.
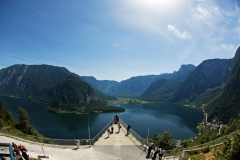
<point x="181" y="121"/>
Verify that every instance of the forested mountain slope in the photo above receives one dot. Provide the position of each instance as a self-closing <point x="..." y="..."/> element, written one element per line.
<point x="162" y="90"/>
<point x="63" y="90"/>
<point x="209" y="74"/>
<point x="227" y="104"/>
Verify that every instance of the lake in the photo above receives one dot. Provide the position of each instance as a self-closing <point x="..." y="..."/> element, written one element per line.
<point x="159" y="117"/>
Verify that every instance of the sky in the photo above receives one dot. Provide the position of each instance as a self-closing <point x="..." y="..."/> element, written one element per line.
<point x="118" y="39"/>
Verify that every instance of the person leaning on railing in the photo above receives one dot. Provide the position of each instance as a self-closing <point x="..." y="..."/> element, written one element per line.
<point x="77" y="142"/>
<point x="24" y="152"/>
<point x="152" y="146"/>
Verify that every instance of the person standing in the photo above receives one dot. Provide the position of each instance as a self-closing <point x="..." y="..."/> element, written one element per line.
<point x="112" y="127"/>
<point x="156" y="151"/>
<point x="161" y="151"/>
<point x="108" y="131"/>
<point x="152" y="146"/>
<point x="77" y="142"/>
<point x="119" y="126"/>
<point x="128" y="129"/>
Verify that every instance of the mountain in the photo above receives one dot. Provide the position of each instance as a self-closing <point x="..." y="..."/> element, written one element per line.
<point x="102" y="85"/>
<point x="63" y="90"/>
<point x="163" y="89"/>
<point x="227" y="105"/>
<point x="209" y="74"/>
<point x="132" y="87"/>
<point x="31" y="81"/>
<point x="135" y="86"/>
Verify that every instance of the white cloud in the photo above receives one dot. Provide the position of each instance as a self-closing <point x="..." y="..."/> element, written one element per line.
<point x="183" y="35"/>
<point x="238" y="32"/>
<point x="202" y="13"/>
<point x="228" y="47"/>
<point x="145" y="15"/>
<point x="115" y="45"/>
<point x="1" y="67"/>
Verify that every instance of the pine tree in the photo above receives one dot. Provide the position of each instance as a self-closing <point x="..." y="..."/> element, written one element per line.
<point x="6" y="118"/>
<point x="164" y="140"/>
<point x="24" y="123"/>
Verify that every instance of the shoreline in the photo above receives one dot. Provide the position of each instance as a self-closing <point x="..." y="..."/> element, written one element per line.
<point x="12" y="96"/>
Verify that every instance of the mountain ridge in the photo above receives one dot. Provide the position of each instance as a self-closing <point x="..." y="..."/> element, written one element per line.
<point x="50" y="84"/>
<point x="227" y="105"/>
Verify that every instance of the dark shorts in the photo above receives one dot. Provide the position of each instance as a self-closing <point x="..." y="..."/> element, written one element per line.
<point x="160" y="155"/>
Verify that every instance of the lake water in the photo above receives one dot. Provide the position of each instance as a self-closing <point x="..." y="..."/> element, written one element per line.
<point x="180" y="121"/>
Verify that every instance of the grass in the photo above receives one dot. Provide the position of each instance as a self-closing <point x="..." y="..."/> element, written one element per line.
<point x="176" y="152"/>
<point x="200" y="156"/>
<point x="17" y="133"/>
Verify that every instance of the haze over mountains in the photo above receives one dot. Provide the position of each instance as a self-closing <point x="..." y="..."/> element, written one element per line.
<point x="190" y="85"/>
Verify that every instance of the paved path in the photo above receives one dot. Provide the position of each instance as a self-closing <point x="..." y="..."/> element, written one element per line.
<point x="68" y="153"/>
<point x="117" y="139"/>
<point x="116" y="147"/>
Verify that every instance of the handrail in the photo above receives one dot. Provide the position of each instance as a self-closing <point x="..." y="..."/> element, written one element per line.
<point x="206" y="142"/>
<point x="134" y="134"/>
<point x="101" y="133"/>
<point x="92" y="141"/>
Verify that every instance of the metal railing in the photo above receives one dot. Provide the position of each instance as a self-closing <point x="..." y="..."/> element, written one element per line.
<point x="133" y="133"/>
<point x="47" y="141"/>
<point x="44" y="141"/>
<point x="71" y="141"/>
<point x="101" y="132"/>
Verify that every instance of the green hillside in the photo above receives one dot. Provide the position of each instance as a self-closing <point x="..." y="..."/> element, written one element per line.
<point x="227" y="104"/>
<point x="209" y="74"/>
<point x="61" y="89"/>
<point x="163" y="90"/>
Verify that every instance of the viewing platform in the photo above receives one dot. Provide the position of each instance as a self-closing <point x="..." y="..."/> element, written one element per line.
<point x="118" y="146"/>
<point x="117" y="139"/>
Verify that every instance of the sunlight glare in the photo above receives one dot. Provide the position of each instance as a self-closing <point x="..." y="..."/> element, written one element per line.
<point x="159" y="5"/>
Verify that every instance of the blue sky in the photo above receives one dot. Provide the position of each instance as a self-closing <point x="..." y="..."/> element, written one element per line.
<point x="118" y="39"/>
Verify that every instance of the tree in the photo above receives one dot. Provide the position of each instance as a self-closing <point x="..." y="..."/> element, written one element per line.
<point x="164" y="140"/>
<point x="24" y="124"/>
<point x="6" y="118"/>
<point x="186" y="143"/>
<point x="231" y="149"/>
